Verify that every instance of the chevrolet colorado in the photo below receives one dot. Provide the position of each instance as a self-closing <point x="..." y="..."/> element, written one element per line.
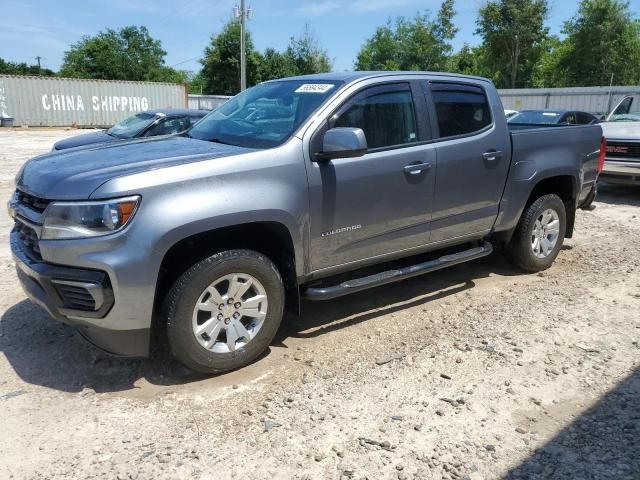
<point x="313" y="187"/>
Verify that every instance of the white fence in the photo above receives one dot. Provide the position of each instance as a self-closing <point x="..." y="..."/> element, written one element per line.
<point x="206" y="102"/>
<point x="596" y="100"/>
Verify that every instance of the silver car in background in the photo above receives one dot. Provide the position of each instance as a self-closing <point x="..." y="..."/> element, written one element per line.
<point x="622" y="131"/>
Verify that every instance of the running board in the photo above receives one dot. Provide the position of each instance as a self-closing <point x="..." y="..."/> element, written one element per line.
<point x="383" y="278"/>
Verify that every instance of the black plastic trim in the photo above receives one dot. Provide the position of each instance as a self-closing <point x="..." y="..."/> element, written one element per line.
<point x="36" y="279"/>
<point x="390" y="276"/>
<point x="122" y="343"/>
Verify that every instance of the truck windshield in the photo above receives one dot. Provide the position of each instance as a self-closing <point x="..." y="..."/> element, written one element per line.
<point x="264" y="116"/>
<point x="132" y="126"/>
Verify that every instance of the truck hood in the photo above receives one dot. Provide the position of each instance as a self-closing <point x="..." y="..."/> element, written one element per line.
<point x="86" y="139"/>
<point x="621" y="130"/>
<point x="74" y="174"/>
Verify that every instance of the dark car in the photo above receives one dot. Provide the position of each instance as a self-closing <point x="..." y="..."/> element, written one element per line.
<point x="149" y="123"/>
<point x="553" y="117"/>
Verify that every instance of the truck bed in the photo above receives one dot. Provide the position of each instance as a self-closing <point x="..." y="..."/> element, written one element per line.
<point x="538" y="152"/>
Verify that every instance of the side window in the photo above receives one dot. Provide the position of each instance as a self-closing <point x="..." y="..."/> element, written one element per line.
<point x="461" y="109"/>
<point x="569" y="119"/>
<point x="169" y="126"/>
<point x="585" y="118"/>
<point x="387" y="116"/>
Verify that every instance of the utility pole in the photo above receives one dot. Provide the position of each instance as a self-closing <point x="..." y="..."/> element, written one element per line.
<point x="243" y="14"/>
<point x="38" y="58"/>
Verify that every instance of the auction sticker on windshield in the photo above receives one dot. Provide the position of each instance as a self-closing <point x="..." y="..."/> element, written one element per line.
<point x="314" y="88"/>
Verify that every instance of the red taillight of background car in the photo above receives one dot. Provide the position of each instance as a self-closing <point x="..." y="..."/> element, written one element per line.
<point x="603" y="155"/>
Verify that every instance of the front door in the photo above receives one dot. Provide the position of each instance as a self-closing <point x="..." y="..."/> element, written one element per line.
<point x="379" y="203"/>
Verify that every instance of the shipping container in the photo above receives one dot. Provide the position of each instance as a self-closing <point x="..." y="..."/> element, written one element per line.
<point x="596" y="100"/>
<point x="62" y="102"/>
<point x="206" y="102"/>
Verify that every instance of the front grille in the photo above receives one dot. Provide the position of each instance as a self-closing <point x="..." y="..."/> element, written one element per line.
<point x="34" y="203"/>
<point x="623" y="150"/>
<point x="28" y="240"/>
<point x="76" y="297"/>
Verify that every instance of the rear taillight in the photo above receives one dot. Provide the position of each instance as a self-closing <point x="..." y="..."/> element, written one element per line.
<point x="603" y="155"/>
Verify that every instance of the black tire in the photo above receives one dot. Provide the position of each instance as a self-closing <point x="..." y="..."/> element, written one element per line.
<point x="182" y="298"/>
<point x="520" y="250"/>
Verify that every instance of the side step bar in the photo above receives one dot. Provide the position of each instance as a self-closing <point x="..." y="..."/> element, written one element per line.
<point x="383" y="278"/>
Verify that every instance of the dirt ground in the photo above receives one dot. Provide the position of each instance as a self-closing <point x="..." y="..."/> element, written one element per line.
<point x="477" y="372"/>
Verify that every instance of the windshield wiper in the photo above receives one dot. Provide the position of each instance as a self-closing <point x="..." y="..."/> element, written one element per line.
<point x="221" y="142"/>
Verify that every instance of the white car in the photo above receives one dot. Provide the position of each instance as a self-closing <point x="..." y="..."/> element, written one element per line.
<point x="510" y="113"/>
<point x="622" y="131"/>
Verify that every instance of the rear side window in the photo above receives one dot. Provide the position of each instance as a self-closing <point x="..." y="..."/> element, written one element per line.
<point x="388" y="118"/>
<point x="461" y="109"/>
<point x="585" y="118"/>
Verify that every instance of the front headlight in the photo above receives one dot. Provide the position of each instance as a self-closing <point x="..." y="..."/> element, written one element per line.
<point x="66" y="220"/>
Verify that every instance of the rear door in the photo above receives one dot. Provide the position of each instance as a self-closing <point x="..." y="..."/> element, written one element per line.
<point x="474" y="153"/>
<point x="379" y="203"/>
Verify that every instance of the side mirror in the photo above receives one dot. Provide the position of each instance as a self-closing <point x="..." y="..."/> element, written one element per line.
<point x="342" y="143"/>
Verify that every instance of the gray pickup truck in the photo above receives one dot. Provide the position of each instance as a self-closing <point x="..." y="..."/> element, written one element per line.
<point x="310" y="187"/>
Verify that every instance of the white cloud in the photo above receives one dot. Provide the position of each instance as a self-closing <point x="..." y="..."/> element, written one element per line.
<point x="362" y="6"/>
<point x="317" y="9"/>
<point x="324" y="7"/>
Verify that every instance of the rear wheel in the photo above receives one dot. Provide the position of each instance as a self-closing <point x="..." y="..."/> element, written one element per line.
<point x="224" y="311"/>
<point x="540" y="234"/>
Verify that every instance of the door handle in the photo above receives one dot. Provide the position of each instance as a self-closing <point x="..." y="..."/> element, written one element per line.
<point x="492" y="155"/>
<point x="417" y="168"/>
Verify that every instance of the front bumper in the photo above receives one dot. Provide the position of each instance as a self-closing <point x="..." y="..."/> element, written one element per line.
<point x="59" y="290"/>
<point x="621" y="171"/>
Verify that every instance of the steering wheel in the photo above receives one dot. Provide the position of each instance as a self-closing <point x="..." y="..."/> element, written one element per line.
<point x="256" y="128"/>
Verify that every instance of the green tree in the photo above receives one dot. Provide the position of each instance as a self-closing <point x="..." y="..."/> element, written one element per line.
<point x="468" y="61"/>
<point x="422" y="43"/>
<point x="550" y="70"/>
<point x="274" y="65"/>
<point x="380" y="52"/>
<point x="13" y="68"/>
<point x="221" y="61"/>
<point x="196" y="83"/>
<point x="307" y="55"/>
<point x="602" y="39"/>
<point x="126" y="54"/>
<point x="513" y="32"/>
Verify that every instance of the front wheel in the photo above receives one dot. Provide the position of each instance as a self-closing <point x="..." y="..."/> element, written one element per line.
<point x="223" y="312"/>
<point x="539" y="235"/>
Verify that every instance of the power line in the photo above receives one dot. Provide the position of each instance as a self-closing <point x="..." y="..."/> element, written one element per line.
<point x="187" y="61"/>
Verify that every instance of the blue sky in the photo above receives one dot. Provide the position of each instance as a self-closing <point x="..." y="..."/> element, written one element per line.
<point x="46" y="27"/>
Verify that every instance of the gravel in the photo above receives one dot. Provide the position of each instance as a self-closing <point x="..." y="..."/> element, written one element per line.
<point x="405" y="381"/>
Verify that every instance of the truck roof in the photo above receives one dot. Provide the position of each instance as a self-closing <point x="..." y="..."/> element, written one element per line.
<point x="348" y="77"/>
